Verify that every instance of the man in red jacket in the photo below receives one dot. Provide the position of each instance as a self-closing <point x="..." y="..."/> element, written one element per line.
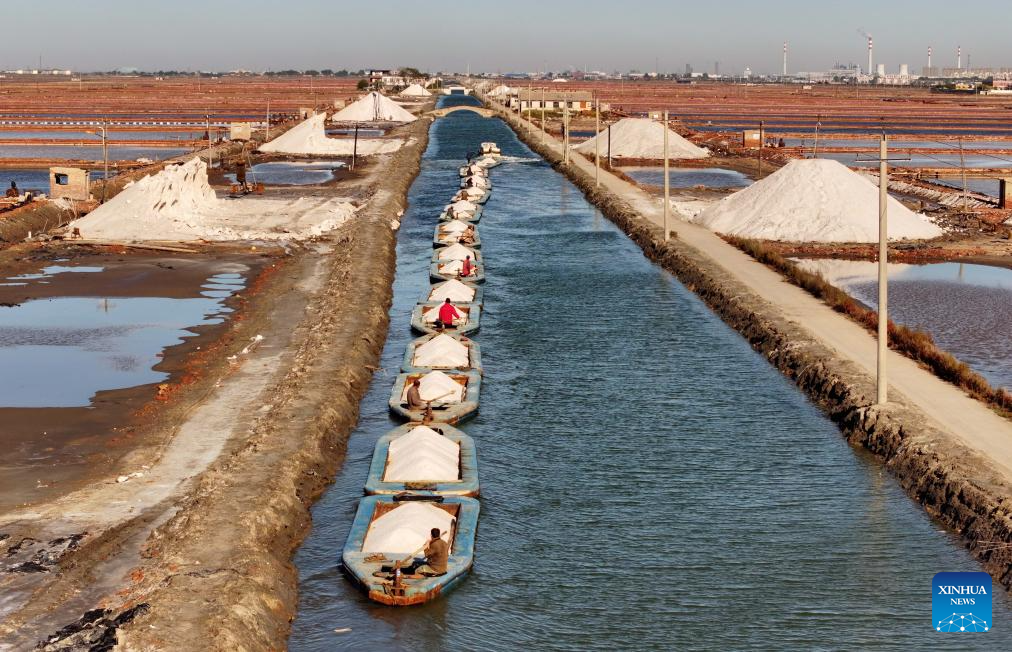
<point x="467" y="267"/>
<point x="447" y="313"/>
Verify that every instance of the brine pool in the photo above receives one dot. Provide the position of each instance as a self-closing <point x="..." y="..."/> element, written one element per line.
<point x="649" y="482"/>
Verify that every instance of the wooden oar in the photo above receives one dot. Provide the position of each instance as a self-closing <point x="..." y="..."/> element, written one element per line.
<point x="407" y="559"/>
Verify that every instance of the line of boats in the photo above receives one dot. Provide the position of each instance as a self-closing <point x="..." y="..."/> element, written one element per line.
<point x="424" y="474"/>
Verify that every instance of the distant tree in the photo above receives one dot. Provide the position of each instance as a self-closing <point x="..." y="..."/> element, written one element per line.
<point x="312" y="73"/>
<point x="363" y="84"/>
<point x="411" y="73"/>
<point x="327" y="72"/>
<point x="341" y="73"/>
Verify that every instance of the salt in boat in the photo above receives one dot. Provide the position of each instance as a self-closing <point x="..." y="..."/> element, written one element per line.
<point x="441" y="351"/>
<point x="452" y="395"/>
<point x="423" y="318"/>
<point x="454" y="290"/>
<point x="433" y="459"/>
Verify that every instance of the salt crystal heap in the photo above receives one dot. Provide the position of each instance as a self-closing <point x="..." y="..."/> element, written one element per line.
<point x="468" y="194"/>
<point x="455" y="226"/>
<point x="406" y="528"/>
<point x="441" y="351"/>
<point x="642" y="138"/>
<point x="455" y="252"/>
<point x="373" y="107"/>
<point x="453" y="290"/>
<point x="437" y="387"/>
<point x="309" y="137"/>
<point x="462" y="207"/>
<point x="422" y="455"/>
<point x="814" y="200"/>
<point x="414" y="90"/>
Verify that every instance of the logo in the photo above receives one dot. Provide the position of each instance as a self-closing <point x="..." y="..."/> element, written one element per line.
<point x="961" y="602"/>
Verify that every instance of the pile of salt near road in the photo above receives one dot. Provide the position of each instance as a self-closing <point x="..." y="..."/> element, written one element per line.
<point x="642" y="138"/>
<point x="373" y="107"/>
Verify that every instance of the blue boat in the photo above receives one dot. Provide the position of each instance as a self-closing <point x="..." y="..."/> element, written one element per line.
<point x="431" y="296"/>
<point x="440" y="410"/>
<point x="473" y="354"/>
<point x="373" y="571"/>
<point x="465" y="485"/>
<point x="421" y="319"/>
<point x="441" y="239"/>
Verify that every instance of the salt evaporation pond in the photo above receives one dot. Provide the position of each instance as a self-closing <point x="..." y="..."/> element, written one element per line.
<point x="291" y="173"/>
<point x="58" y="352"/>
<point x="688" y="178"/>
<point x="37" y="180"/>
<point x="113" y="134"/>
<point x="966" y="308"/>
<point x="91" y="153"/>
<point x="648" y="481"/>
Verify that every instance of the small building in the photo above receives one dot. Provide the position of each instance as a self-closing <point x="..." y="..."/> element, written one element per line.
<point x="69" y="183"/>
<point x="531" y="100"/>
<point x="751" y="138"/>
<point x="240" y="131"/>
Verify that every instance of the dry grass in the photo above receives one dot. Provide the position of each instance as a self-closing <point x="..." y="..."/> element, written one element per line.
<point x="914" y="344"/>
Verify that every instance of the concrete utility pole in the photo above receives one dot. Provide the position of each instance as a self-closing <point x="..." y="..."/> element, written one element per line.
<point x="105" y="159"/>
<point x="597" y="143"/>
<point x="667" y="187"/>
<point x="818" y="123"/>
<point x="883" y="271"/>
<point x="544" y="128"/>
<point x="762" y="138"/>
<point x="209" y="151"/>
<point x="268" y="136"/>
<point x="565" y="128"/>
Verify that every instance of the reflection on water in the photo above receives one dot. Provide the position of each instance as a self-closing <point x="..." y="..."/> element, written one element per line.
<point x="648" y="481"/>
<point x="35" y="180"/>
<point x="59" y="352"/>
<point x="966" y="308"/>
<point x="688" y="178"/>
<point x="292" y="173"/>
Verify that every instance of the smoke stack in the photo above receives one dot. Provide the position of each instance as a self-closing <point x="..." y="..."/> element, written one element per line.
<point x="929" y="59"/>
<point x="785" y="58"/>
<point x="959" y="57"/>
<point x="869" y="55"/>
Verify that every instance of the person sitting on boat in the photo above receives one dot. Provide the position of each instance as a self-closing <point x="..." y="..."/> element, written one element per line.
<point x="467" y="267"/>
<point x="437" y="555"/>
<point x="447" y="313"/>
<point x="467" y="237"/>
<point x="13" y="191"/>
<point x="415" y="401"/>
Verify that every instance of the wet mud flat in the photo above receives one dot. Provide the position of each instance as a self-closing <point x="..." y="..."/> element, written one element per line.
<point x="91" y="342"/>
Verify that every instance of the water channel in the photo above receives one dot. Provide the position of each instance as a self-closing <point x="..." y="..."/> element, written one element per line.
<point x="648" y="481"/>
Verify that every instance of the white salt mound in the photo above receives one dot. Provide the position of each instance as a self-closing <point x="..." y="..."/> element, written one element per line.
<point x="406" y="528"/>
<point x="441" y="351"/>
<point x="455" y="226"/>
<point x="453" y="290"/>
<point x="453" y="268"/>
<point x="438" y="387"/>
<point x="309" y="137"/>
<point x="462" y="207"/>
<point x="422" y="455"/>
<point x="468" y="194"/>
<point x="642" y="138"/>
<point x="475" y="182"/>
<point x="178" y="204"/>
<point x="373" y="107"/>
<point x="455" y="252"/>
<point x="814" y="200"/>
<point x="500" y="91"/>
<point x="414" y="90"/>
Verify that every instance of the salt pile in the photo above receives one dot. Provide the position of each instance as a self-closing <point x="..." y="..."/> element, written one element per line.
<point x="453" y="268"/>
<point x="468" y="194"/>
<point x="414" y="90"/>
<point x="441" y="351"/>
<point x="814" y="200"/>
<point x="309" y="137"/>
<point x="642" y="138"/>
<point x="455" y="226"/>
<point x="179" y="204"/>
<point x="422" y="455"/>
<point x="373" y="107"/>
<point x="476" y="182"/>
<point x="453" y="290"/>
<point x="438" y="387"/>
<point x="406" y="528"/>
<point x="500" y="91"/>
<point x="455" y="252"/>
<point x="462" y="207"/>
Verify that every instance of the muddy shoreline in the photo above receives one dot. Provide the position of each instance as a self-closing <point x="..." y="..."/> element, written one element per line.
<point x="951" y="482"/>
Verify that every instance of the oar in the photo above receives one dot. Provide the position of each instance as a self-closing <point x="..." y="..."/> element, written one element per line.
<point x="407" y="559"/>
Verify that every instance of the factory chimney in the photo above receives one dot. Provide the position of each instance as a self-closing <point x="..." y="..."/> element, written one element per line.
<point x="785" y="58"/>
<point x="959" y="57"/>
<point x="929" y="59"/>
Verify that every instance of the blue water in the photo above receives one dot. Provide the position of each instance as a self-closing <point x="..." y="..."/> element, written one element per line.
<point x="648" y="481"/>
<point x="91" y="153"/>
<point x="37" y="180"/>
<point x="688" y="178"/>
<point x="113" y="134"/>
<point x="285" y="173"/>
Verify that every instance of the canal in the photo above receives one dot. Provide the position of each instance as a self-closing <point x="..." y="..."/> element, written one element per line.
<point x="648" y="481"/>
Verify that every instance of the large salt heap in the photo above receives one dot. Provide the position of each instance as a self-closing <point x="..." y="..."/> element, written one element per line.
<point x="642" y="138"/>
<point x="309" y="137"/>
<point x="422" y="455"/>
<point x="453" y="290"/>
<point x="438" y="387"/>
<point x="441" y="351"/>
<point x="406" y="528"/>
<point x="455" y="252"/>
<point x="814" y="200"/>
<point x="373" y="107"/>
<point x="415" y="90"/>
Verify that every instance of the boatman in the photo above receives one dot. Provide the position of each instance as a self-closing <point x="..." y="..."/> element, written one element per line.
<point x="13" y="190"/>
<point x="447" y="313"/>
<point x="437" y="554"/>
<point x="415" y="401"/>
<point x="466" y="268"/>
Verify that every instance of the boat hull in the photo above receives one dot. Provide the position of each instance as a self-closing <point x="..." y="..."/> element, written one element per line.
<point x="467" y="485"/>
<point x="438" y="242"/>
<point x="469" y="327"/>
<point x="467" y="217"/>
<point x="435" y="275"/>
<point x="444" y="413"/>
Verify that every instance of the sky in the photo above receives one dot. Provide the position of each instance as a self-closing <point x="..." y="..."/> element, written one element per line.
<point x="505" y="36"/>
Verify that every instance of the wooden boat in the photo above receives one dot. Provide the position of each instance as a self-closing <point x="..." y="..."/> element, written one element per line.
<point x="473" y="354"/>
<point x="362" y="567"/>
<point x="471" y="168"/>
<point x="438" y="272"/>
<point x="489" y="149"/>
<point x="466" y="483"/>
<point x="442" y="239"/>
<point x="429" y="296"/>
<point x="423" y="314"/>
<point x="441" y="410"/>
<point x="473" y="182"/>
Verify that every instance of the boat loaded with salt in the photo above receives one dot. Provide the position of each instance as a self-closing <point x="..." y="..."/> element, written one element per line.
<point x="423" y="474"/>
<point x="390" y="533"/>
<point x="433" y="459"/>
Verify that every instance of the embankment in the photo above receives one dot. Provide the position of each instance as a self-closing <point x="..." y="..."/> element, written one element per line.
<point x="959" y="486"/>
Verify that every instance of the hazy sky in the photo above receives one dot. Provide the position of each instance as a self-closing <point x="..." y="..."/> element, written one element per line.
<point x="511" y="35"/>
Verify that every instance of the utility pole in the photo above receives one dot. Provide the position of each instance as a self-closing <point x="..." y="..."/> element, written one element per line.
<point x="354" y="148"/>
<point x="818" y="123"/>
<point x="208" y="117"/>
<point x="962" y="167"/>
<point x="762" y="138"/>
<point x="105" y="158"/>
<point x="268" y="136"/>
<point x="597" y="143"/>
<point x="544" y="128"/>
<point x="883" y="270"/>
<point x="667" y="187"/>
<point x="565" y="128"/>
